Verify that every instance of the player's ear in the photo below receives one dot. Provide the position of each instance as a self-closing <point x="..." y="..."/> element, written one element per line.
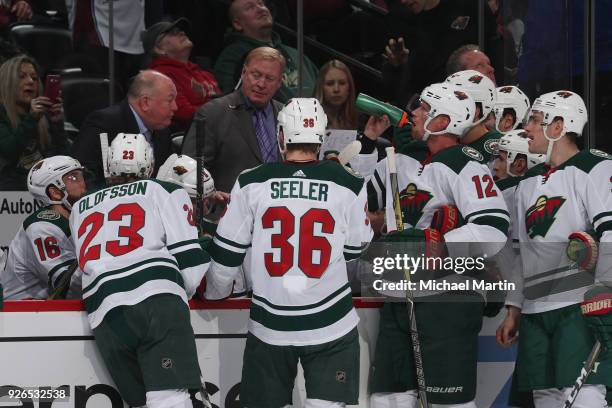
<point x="519" y="166"/>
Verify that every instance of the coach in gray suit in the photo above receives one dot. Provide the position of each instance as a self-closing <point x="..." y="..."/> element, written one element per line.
<point x="240" y="128"/>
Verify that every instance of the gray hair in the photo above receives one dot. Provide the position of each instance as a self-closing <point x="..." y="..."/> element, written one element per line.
<point x="455" y="61"/>
<point x="145" y="83"/>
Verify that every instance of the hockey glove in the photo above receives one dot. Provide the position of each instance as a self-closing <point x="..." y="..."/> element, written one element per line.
<point x="597" y="310"/>
<point x="582" y="249"/>
<point x="433" y="240"/>
<point x="446" y="218"/>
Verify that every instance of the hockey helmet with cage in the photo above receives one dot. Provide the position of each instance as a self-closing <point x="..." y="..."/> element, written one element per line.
<point x="50" y="172"/>
<point x="302" y="120"/>
<point x="510" y="97"/>
<point x="514" y="143"/>
<point x="447" y="99"/>
<point x="182" y="170"/>
<point x="478" y="86"/>
<point x="130" y="155"/>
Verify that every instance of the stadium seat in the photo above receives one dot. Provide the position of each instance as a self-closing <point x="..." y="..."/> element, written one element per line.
<point x="83" y="95"/>
<point x="48" y="45"/>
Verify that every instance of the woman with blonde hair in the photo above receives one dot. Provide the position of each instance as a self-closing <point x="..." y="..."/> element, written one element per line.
<point x="31" y="125"/>
<point x="335" y="89"/>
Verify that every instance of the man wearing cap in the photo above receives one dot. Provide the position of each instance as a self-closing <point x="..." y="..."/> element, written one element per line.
<point x="169" y="46"/>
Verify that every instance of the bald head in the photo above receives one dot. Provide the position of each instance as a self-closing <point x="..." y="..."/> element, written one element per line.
<point x="152" y="95"/>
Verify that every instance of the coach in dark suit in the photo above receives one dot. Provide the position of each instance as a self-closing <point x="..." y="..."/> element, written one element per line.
<point x="240" y="128"/>
<point x="148" y="110"/>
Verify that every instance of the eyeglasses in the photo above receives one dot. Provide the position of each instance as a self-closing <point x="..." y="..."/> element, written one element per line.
<point x="255" y="76"/>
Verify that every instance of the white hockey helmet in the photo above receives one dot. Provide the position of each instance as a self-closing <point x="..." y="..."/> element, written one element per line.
<point x="302" y="120"/>
<point x="514" y="143"/>
<point x="130" y="155"/>
<point x="49" y="172"/>
<point x="510" y="97"/>
<point x="447" y="99"/>
<point x="564" y="104"/>
<point x="183" y="170"/>
<point x="478" y="86"/>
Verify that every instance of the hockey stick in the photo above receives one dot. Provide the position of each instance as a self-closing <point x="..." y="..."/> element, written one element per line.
<point x="199" y="145"/>
<point x="588" y="366"/>
<point x="414" y="333"/>
<point x="349" y="152"/>
<point x="104" y="152"/>
<point x="63" y="284"/>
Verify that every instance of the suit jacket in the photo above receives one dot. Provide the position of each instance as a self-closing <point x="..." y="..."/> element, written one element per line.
<point x="230" y="144"/>
<point x="113" y="120"/>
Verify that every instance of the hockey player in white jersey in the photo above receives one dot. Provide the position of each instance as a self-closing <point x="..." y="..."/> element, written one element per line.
<point x="509" y="110"/>
<point x="137" y="247"/>
<point x="448" y="327"/>
<point x="303" y="220"/>
<point x="42" y="251"/>
<point x="482" y="90"/>
<point x="561" y="205"/>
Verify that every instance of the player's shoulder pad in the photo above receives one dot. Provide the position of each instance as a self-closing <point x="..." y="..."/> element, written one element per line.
<point x="166" y="185"/>
<point x="258" y="174"/>
<point x="586" y="160"/>
<point x="457" y="157"/>
<point x="46" y="215"/>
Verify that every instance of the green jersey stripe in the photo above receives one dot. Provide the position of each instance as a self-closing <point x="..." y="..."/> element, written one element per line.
<point x="182" y="243"/>
<point x="127" y="268"/>
<point x="226" y="257"/>
<point x="312" y="321"/>
<point x="349" y="256"/>
<point x="493" y="221"/>
<point x="57" y="268"/>
<point x="354" y="248"/>
<point x="191" y="258"/>
<point x="603" y="227"/>
<point x="487" y="211"/>
<point x="131" y="282"/>
<point x="601" y="215"/>
<point x="232" y="243"/>
<point x="302" y="307"/>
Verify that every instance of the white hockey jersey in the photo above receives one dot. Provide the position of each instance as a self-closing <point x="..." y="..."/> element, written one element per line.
<point x="134" y="241"/>
<point x="303" y="221"/>
<point x="551" y="205"/>
<point x="41" y="252"/>
<point x="456" y="176"/>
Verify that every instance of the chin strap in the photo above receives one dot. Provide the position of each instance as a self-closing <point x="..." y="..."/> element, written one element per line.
<point x="551" y="142"/>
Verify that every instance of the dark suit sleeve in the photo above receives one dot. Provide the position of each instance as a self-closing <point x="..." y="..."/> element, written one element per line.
<point x="210" y="143"/>
<point x="86" y="147"/>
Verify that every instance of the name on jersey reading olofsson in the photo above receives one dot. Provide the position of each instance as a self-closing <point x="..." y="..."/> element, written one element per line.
<point x="309" y="190"/>
<point x="90" y="201"/>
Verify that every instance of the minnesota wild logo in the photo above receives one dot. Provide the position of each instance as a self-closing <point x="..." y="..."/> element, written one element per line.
<point x="541" y="216"/>
<point x="475" y="79"/>
<point x="506" y="89"/>
<point x="412" y="202"/>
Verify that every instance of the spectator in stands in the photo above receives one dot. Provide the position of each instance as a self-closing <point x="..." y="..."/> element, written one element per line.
<point x="31" y="125"/>
<point x="170" y="47"/>
<point x="422" y="35"/>
<point x="240" y="128"/>
<point x="252" y="23"/>
<point x="14" y="10"/>
<point x="148" y="109"/>
<point x="335" y="89"/>
<point x="470" y="56"/>
<point x="90" y="32"/>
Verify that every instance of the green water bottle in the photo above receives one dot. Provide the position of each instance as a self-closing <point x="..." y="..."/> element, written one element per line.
<point x="372" y="106"/>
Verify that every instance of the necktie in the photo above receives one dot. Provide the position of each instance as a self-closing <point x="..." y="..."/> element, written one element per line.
<point x="266" y="144"/>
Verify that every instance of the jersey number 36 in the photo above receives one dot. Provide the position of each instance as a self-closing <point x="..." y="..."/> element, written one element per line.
<point x="308" y="242"/>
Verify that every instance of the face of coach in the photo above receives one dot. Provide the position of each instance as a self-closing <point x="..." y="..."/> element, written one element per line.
<point x="261" y="76"/>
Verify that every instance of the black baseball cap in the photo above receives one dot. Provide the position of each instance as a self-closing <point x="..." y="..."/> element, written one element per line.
<point x="150" y="36"/>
